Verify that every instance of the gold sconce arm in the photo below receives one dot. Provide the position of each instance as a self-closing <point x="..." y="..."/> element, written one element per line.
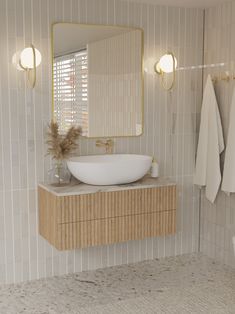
<point x="28" y="60"/>
<point x="30" y="70"/>
<point x="165" y="65"/>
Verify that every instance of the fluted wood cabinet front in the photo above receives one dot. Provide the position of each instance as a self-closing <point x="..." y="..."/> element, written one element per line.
<point x="79" y="221"/>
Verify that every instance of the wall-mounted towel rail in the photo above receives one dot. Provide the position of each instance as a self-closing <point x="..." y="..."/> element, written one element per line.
<point x="223" y="77"/>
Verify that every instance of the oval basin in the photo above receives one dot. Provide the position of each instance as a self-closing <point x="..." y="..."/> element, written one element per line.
<point x="109" y="169"/>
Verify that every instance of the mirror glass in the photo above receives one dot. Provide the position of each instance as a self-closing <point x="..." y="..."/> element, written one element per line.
<point x="98" y="79"/>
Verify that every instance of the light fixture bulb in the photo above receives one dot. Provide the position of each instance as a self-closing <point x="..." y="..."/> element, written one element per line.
<point x="26" y="58"/>
<point x="166" y="63"/>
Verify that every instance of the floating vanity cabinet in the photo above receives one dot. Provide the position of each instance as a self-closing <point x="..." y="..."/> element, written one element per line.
<point x="80" y="215"/>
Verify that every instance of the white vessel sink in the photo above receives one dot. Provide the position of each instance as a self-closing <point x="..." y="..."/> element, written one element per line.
<point x="109" y="169"/>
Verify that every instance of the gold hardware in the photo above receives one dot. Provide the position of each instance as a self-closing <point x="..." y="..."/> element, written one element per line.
<point x="214" y="79"/>
<point x="30" y="69"/>
<point x="161" y="71"/>
<point x="225" y="78"/>
<point x="108" y="144"/>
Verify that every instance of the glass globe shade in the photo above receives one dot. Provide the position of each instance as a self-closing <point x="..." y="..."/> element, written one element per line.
<point x="149" y="66"/>
<point x="15" y="61"/>
<point x="166" y="63"/>
<point x="26" y="58"/>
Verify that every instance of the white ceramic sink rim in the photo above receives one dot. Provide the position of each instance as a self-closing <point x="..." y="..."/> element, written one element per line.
<point x="110" y="158"/>
<point x="109" y="169"/>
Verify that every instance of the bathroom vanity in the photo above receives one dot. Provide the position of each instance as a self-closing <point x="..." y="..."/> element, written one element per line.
<point x="81" y="215"/>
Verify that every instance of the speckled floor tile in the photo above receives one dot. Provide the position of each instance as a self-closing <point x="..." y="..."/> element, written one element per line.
<point x="183" y="284"/>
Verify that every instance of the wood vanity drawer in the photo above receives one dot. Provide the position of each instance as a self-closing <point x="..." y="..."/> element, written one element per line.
<point x="102" y="218"/>
<point x="114" y="204"/>
<point x="113" y="230"/>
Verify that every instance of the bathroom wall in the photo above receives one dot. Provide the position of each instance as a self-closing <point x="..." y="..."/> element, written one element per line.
<point x="218" y="220"/>
<point x="170" y="132"/>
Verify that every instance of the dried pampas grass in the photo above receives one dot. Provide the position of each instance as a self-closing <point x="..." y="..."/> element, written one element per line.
<point x="60" y="146"/>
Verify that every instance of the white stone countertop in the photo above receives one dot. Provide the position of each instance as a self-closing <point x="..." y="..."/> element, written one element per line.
<point x="78" y="188"/>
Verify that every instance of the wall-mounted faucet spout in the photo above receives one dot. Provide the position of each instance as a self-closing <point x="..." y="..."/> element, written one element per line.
<point x="108" y="144"/>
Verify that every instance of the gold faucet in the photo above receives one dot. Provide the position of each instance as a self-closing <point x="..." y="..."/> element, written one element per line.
<point x="108" y="144"/>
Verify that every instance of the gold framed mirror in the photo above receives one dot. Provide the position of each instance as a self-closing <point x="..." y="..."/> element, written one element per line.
<point x="97" y="79"/>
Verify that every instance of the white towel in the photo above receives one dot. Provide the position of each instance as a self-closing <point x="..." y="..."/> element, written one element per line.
<point x="228" y="183"/>
<point x="210" y="144"/>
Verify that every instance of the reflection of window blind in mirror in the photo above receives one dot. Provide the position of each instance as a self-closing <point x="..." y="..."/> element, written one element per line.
<point x="70" y="91"/>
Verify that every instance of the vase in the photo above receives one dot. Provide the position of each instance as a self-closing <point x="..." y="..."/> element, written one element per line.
<point x="59" y="175"/>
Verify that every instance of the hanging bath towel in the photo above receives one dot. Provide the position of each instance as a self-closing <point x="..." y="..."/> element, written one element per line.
<point x="228" y="183"/>
<point x="210" y="144"/>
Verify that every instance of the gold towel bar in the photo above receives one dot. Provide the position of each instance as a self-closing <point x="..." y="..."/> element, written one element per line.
<point x="226" y="78"/>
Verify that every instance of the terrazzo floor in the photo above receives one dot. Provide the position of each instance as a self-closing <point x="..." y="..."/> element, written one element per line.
<point x="184" y="284"/>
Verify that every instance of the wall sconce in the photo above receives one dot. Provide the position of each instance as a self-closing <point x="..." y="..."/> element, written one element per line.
<point x="167" y="64"/>
<point x="28" y="60"/>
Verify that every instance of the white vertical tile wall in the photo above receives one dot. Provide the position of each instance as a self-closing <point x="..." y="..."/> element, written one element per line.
<point x="218" y="220"/>
<point x="170" y="130"/>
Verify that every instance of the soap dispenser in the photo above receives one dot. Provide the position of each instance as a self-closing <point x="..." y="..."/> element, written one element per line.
<point x="154" y="172"/>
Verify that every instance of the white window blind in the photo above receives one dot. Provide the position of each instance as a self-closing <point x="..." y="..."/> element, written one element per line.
<point x="70" y="91"/>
